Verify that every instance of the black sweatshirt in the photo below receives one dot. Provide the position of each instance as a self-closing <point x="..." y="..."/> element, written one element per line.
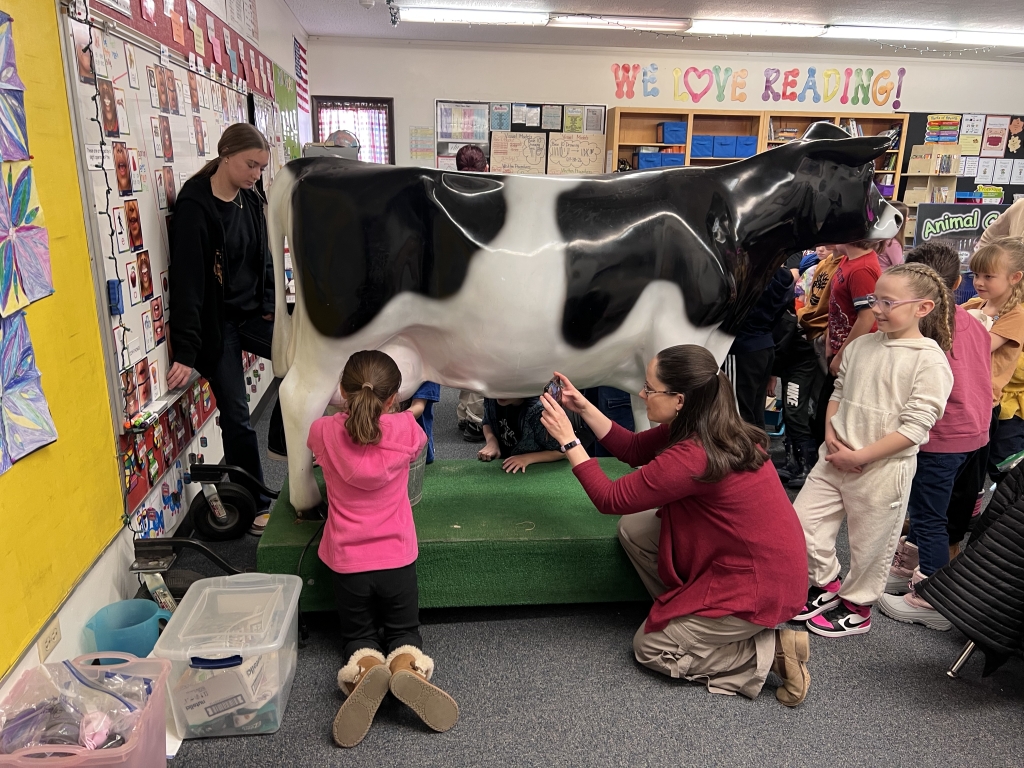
<point x="199" y="268"/>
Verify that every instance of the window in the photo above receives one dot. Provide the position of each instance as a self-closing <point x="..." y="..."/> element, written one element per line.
<point x="372" y="120"/>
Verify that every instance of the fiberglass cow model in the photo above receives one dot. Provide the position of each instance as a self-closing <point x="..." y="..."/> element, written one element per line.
<point x="489" y="282"/>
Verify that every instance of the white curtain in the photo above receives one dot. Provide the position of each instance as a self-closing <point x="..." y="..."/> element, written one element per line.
<point x="367" y="120"/>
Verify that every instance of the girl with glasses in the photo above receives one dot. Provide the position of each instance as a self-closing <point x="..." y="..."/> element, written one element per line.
<point x="891" y="389"/>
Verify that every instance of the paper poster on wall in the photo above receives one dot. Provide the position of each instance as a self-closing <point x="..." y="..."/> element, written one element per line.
<point x="519" y="114"/>
<point x="514" y="152"/>
<point x="123" y="126"/>
<point x="533" y="117"/>
<point x="463" y="121"/>
<point x="572" y="122"/>
<point x="593" y="119"/>
<point x="997" y="132"/>
<point x="973" y="124"/>
<point x="970" y="167"/>
<point x="421" y="143"/>
<point x="446" y="163"/>
<point x="986" y="169"/>
<point x="1013" y="145"/>
<point x="551" y="117"/>
<point x="501" y="117"/>
<point x="25" y="421"/>
<point x="571" y="154"/>
<point x="25" y="274"/>
<point x="1017" y="174"/>
<point x="120" y="230"/>
<point x="133" y="71"/>
<point x="1003" y="169"/>
<point x="122" y="6"/>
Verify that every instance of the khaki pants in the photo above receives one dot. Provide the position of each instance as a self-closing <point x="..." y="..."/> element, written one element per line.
<point x="727" y="654"/>
<point x="874" y="503"/>
<point x="471" y="406"/>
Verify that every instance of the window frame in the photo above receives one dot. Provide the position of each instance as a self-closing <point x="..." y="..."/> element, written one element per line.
<point x="386" y="102"/>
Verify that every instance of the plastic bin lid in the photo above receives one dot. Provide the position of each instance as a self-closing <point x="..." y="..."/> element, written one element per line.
<point x="247" y="614"/>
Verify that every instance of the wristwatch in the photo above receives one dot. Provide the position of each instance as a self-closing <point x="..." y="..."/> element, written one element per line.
<point x="570" y="445"/>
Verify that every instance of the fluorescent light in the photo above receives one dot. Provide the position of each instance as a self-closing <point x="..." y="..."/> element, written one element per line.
<point x="577" y="21"/>
<point x="967" y="37"/>
<point x="758" y="28"/>
<point x="889" y="33"/>
<point x="471" y="16"/>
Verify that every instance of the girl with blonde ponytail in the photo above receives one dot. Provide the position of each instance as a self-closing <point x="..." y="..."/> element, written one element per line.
<point x="369" y="543"/>
<point x="892" y="387"/>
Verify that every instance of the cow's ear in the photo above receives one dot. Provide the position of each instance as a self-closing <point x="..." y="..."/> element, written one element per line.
<point x="824" y="130"/>
<point x="849" y="151"/>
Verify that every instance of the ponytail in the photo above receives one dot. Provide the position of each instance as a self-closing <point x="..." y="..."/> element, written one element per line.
<point x="369" y="379"/>
<point x="709" y="414"/>
<point x="236" y="138"/>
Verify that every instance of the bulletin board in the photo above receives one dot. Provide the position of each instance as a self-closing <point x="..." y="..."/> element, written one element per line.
<point x="149" y="120"/>
<point x="511" y="134"/>
<point x="991" y="149"/>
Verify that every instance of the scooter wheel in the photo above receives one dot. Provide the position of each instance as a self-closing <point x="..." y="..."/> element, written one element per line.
<point x="239" y="506"/>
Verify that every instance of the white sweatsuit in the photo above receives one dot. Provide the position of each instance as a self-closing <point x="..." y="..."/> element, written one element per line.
<point x="885" y="385"/>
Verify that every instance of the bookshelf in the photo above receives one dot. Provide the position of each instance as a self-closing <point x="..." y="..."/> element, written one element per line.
<point x="931" y="176"/>
<point x="629" y="128"/>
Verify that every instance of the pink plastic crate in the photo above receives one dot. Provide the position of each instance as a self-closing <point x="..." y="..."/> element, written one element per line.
<point x="147" y="748"/>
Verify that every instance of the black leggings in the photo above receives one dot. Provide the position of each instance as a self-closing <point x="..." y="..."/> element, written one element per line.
<point x="378" y="609"/>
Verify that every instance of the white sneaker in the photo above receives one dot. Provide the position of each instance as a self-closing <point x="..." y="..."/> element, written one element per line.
<point x="909" y="609"/>
<point x="259" y="524"/>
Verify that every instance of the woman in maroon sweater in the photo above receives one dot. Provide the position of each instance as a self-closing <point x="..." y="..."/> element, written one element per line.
<point x="707" y="525"/>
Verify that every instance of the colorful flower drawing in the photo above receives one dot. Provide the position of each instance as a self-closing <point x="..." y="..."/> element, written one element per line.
<point x="25" y="421"/>
<point x="24" y="245"/>
<point x="13" y="136"/>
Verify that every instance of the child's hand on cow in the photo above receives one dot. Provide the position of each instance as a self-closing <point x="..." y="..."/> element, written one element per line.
<point x="490" y="451"/>
<point x="571" y="398"/>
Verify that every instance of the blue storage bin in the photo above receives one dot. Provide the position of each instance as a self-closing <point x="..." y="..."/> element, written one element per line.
<point x="702" y="146"/>
<point x="648" y="160"/>
<point x="746" y="146"/>
<point x="672" y="159"/>
<point x="671" y="133"/>
<point x="725" y="146"/>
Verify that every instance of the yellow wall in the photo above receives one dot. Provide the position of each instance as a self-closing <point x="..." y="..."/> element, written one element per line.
<point x="60" y="506"/>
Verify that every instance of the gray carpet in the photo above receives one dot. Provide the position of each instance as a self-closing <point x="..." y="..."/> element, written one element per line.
<point x="559" y="686"/>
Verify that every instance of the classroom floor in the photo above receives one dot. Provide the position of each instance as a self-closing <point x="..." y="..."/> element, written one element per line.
<point x="558" y="685"/>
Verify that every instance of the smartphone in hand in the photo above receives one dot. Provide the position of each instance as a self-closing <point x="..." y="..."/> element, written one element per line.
<point x="554" y="388"/>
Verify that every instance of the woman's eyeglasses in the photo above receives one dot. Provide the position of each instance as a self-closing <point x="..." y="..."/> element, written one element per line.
<point x="886" y="305"/>
<point x="647" y="391"/>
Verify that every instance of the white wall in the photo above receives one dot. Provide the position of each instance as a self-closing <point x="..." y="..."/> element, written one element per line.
<point x="415" y="74"/>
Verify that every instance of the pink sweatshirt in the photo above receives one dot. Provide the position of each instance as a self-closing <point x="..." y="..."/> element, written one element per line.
<point x="369" y="523"/>
<point x="964" y="425"/>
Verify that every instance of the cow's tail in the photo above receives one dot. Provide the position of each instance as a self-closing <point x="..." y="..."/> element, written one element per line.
<point x="279" y="227"/>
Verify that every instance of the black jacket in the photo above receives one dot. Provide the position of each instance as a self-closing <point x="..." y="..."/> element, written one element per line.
<point x="197" y="273"/>
<point x="982" y="591"/>
<point x="756" y="331"/>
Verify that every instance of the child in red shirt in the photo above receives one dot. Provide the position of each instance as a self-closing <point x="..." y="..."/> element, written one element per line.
<point x="849" y="315"/>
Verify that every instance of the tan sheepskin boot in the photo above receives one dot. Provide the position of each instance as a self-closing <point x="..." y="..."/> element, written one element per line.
<point x="411" y="669"/>
<point x="364" y="680"/>
<point x="792" y="650"/>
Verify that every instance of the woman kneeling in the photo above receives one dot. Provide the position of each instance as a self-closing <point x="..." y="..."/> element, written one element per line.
<point x="707" y="525"/>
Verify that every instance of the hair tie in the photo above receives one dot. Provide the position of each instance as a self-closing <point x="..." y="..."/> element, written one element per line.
<point x="368" y="384"/>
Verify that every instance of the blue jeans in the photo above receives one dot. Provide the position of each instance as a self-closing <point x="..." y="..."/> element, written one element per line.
<point x="241" y="448"/>
<point x="929" y="499"/>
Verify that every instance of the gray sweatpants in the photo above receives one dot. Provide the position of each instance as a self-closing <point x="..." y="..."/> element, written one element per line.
<point x="471" y="406"/>
<point x="727" y="654"/>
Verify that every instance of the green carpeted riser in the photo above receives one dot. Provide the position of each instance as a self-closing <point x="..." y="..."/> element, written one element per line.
<point x="485" y="538"/>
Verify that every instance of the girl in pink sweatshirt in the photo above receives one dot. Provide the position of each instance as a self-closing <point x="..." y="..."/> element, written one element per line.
<point x="369" y="543"/>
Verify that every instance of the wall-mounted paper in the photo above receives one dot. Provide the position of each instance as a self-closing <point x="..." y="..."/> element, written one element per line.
<point x="997" y="131"/>
<point x="986" y="169"/>
<point x="1001" y="174"/>
<point x="572" y="122"/>
<point x="25" y="421"/>
<point x="501" y="117"/>
<point x="551" y="117"/>
<point x="576" y="153"/>
<point x="1017" y="174"/>
<point x="24" y="243"/>
<point x="513" y="152"/>
<point x="421" y="143"/>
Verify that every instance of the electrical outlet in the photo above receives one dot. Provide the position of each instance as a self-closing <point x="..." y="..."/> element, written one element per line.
<point x="48" y="640"/>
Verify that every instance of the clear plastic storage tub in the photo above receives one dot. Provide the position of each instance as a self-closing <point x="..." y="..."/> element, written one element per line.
<point x="147" y="746"/>
<point x="233" y="647"/>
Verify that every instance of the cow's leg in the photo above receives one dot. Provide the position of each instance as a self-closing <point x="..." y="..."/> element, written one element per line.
<point x="304" y="393"/>
<point x="640" y="420"/>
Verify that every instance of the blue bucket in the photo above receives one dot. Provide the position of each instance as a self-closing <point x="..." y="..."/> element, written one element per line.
<point x="130" y="626"/>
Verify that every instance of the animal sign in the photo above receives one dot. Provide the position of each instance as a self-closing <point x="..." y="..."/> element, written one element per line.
<point x="489" y="283"/>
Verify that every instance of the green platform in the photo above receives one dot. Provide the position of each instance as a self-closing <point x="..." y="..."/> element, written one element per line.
<point x="486" y="538"/>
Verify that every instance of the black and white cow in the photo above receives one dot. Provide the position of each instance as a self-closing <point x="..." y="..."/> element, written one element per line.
<point x="489" y="282"/>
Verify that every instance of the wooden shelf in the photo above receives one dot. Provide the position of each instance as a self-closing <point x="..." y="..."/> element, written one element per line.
<point x="632" y="127"/>
<point x="933" y="175"/>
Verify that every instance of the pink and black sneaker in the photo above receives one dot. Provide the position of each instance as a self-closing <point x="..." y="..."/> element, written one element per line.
<point x="819" y="600"/>
<point x="845" y="619"/>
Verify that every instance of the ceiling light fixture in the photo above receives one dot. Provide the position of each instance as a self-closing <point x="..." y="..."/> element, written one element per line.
<point x="632" y="23"/>
<point x="756" y="28"/>
<point x="472" y="16"/>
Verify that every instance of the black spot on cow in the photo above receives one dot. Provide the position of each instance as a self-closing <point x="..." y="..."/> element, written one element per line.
<point x="365" y="233"/>
<point x="717" y="233"/>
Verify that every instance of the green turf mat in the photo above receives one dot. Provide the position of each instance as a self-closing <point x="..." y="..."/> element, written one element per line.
<point x="486" y="538"/>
